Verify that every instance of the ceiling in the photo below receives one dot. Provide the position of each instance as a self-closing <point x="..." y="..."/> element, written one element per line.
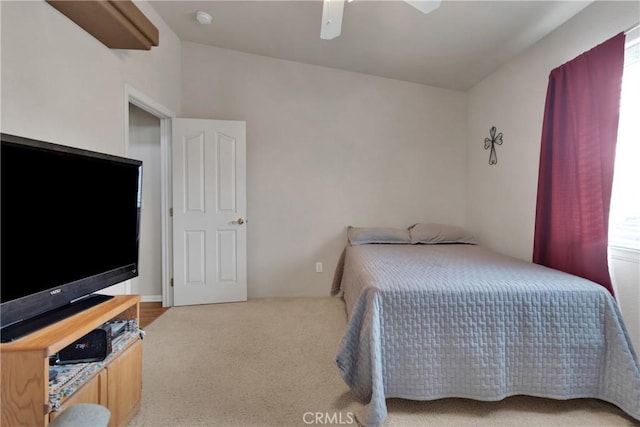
<point x="453" y="47"/>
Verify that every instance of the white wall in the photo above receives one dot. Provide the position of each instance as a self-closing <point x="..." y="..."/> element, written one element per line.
<point x="144" y="144"/>
<point x="60" y="84"/>
<point x="501" y="199"/>
<point x="625" y="269"/>
<point x="326" y="149"/>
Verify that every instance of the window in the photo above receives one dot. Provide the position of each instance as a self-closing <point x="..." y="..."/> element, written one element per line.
<point x="624" y="217"/>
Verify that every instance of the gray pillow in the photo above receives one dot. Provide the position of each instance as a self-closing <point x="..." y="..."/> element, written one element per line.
<point x="368" y="235"/>
<point x="432" y="234"/>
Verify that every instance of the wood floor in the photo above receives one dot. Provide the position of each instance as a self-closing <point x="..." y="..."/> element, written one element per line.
<point x="150" y="311"/>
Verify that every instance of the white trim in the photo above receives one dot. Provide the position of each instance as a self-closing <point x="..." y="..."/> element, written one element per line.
<point x="151" y="106"/>
<point x="148" y="104"/>
<point x="624" y="254"/>
<point x="166" y="203"/>
<point x="151" y="298"/>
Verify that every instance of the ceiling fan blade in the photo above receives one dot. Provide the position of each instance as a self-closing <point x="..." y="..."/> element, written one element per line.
<point x="331" y="19"/>
<point x="425" y="6"/>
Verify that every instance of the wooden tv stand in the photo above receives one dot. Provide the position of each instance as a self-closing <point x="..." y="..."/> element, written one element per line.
<point x="116" y="384"/>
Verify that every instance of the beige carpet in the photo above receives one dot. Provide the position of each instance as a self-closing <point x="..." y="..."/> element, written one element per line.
<point x="269" y="362"/>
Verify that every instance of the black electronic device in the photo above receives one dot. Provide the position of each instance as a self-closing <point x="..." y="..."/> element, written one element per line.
<point x="93" y="347"/>
<point x="118" y="327"/>
<point x="70" y="227"/>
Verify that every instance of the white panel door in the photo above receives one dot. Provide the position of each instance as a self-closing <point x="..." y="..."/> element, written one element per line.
<point x="209" y="208"/>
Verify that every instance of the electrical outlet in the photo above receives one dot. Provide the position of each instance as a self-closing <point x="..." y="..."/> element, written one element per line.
<point x="318" y="267"/>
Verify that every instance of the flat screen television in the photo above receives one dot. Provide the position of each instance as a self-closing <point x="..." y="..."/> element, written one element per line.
<point x="69" y="227"/>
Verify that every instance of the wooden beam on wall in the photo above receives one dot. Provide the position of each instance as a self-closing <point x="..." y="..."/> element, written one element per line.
<point x="118" y="24"/>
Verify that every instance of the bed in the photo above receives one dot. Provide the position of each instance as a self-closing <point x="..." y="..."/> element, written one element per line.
<point x="430" y="321"/>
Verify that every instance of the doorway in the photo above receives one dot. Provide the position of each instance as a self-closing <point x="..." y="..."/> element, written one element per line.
<point x="144" y="144"/>
<point x="147" y="137"/>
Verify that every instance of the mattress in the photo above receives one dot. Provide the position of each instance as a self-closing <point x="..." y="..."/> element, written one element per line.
<point x="434" y="321"/>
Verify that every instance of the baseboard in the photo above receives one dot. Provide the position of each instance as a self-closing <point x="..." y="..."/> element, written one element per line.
<point x="151" y="298"/>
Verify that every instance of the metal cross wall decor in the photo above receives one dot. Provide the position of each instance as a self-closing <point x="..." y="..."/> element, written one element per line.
<point x="491" y="142"/>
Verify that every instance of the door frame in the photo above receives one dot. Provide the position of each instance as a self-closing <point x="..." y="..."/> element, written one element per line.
<point x="151" y="106"/>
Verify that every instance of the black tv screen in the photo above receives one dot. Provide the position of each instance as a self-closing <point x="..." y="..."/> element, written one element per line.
<point x="70" y="225"/>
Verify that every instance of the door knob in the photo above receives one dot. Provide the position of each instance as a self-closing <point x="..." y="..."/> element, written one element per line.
<point x="239" y="221"/>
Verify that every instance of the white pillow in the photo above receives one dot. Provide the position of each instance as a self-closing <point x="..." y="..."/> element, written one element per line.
<point x="433" y="234"/>
<point x="365" y="236"/>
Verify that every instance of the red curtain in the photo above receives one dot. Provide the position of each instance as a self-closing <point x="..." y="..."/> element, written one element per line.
<point x="576" y="163"/>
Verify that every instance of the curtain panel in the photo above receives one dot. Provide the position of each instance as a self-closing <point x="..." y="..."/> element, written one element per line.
<point x="577" y="156"/>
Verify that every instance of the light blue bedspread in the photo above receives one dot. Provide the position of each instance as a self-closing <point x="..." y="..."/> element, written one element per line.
<point x="435" y="321"/>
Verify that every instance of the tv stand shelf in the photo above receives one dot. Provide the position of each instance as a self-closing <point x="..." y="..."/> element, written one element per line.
<point x="25" y="369"/>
